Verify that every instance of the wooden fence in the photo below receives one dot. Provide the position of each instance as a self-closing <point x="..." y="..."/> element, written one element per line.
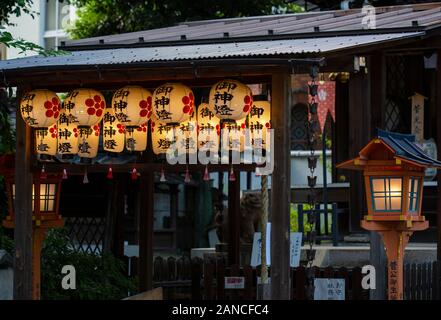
<point x="422" y="281"/>
<point x="196" y="279"/>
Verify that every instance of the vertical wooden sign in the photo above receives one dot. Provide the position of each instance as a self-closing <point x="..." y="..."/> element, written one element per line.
<point x="418" y="116"/>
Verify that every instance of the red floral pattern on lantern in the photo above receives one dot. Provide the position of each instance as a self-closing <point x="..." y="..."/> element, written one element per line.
<point x="95" y="106"/>
<point x="248" y="102"/>
<point x="53" y="131"/>
<point x="142" y="128"/>
<point x="75" y="131"/>
<point x="146" y="108"/>
<point x="121" y="128"/>
<point x="53" y="108"/>
<point x="188" y="102"/>
<point x="96" y="129"/>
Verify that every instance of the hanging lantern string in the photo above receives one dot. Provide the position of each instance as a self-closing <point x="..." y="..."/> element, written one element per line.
<point x="206" y="174"/>
<point x="134" y="174"/>
<point x="162" y="178"/>
<point x="64" y="177"/>
<point x="187" y="176"/>
<point x="85" y="178"/>
<point x="232" y="176"/>
<point x="110" y="173"/>
<point x="43" y="174"/>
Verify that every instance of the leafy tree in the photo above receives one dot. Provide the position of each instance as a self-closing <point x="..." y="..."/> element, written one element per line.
<point x="11" y="8"/>
<point x="104" y="17"/>
<point x="97" y="277"/>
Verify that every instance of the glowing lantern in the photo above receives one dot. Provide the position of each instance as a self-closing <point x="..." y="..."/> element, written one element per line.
<point x="132" y="105"/>
<point x="173" y="103"/>
<point x="67" y="134"/>
<point x="88" y="141"/>
<point x="136" y="139"/>
<point x="233" y="135"/>
<point x="230" y="100"/>
<point x="208" y="129"/>
<point x="86" y="105"/>
<point x="163" y="136"/>
<point x="46" y="141"/>
<point x="40" y="108"/>
<point x="259" y="123"/>
<point x="187" y="136"/>
<point x="113" y="132"/>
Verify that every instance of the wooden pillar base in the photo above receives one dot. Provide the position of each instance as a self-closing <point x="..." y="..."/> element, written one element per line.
<point x="395" y="235"/>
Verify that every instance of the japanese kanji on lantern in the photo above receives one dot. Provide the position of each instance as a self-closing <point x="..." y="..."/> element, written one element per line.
<point x="187" y="135"/>
<point x="230" y="100"/>
<point x="136" y="138"/>
<point x="113" y="132"/>
<point x="67" y="134"/>
<point x="208" y="129"/>
<point x="86" y="105"/>
<point x="132" y="105"/>
<point x="40" y="108"/>
<point x="173" y="103"/>
<point x="88" y="141"/>
<point x="259" y="123"/>
<point x="164" y="136"/>
<point x="233" y="135"/>
<point x="46" y="141"/>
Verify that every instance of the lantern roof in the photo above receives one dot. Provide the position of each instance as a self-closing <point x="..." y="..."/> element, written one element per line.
<point x="391" y="146"/>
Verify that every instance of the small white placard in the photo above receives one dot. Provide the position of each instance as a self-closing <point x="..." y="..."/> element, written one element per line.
<point x="329" y="289"/>
<point x="295" y="248"/>
<point x="234" y="282"/>
<point x="257" y="247"/>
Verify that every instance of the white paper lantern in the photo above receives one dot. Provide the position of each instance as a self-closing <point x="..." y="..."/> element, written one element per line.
<point x="230" y="100"/>
<point x="132" y="105"/>
<point x="113" y="132"/>
<point x="173" y="103"/>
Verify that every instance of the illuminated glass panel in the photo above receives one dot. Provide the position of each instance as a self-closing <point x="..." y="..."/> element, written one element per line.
<point x="386" y="193"/>
<point x="414" y="193"/>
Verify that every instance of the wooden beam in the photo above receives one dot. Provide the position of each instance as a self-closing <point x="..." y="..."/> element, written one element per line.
<point x="23" y="211"/>
<point x="280" y="186"/>
<point x="378" y="259"/>
<point x="359" y="129"/>
<point x="147" y="77"/>
<point x="438" y="142"/>
<point x="234" y="220"/>
<point x="140" y="167"/>
<point x="146" y="217"/>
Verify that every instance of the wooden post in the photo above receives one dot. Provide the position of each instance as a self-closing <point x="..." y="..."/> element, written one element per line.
<point x="280" y="186"/>
<point x="23" y="210"/>
<point x="395" y="235"/>
<point x="146" y="216"/>
<point x="359" y="114"/>
<point x="234" y="220"/>
<point x="377" y="70"/>
<point x="438" y="145"/>
<point x="39" y="235"/>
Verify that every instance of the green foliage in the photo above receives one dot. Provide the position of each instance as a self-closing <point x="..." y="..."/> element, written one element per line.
<point x="7" y="134"/>
<point x="294" y="216"/>
<point x="104" y="17"/>
<point x="7" y="146"/>
<point x="294" y="224"/>
<point x="15" y="8"/>
<point x="97" y="277"/>
<point x="10" y="8"/>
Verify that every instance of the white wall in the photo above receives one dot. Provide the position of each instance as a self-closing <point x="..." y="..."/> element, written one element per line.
<point x="28" y="29"/>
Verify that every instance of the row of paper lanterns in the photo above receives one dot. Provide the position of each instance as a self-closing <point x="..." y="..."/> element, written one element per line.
<point x="74" y="126"/>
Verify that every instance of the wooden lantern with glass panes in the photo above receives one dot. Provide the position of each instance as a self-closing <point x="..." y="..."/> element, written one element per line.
<point x="45" y="201"/>
<point x="393" y="166"/>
